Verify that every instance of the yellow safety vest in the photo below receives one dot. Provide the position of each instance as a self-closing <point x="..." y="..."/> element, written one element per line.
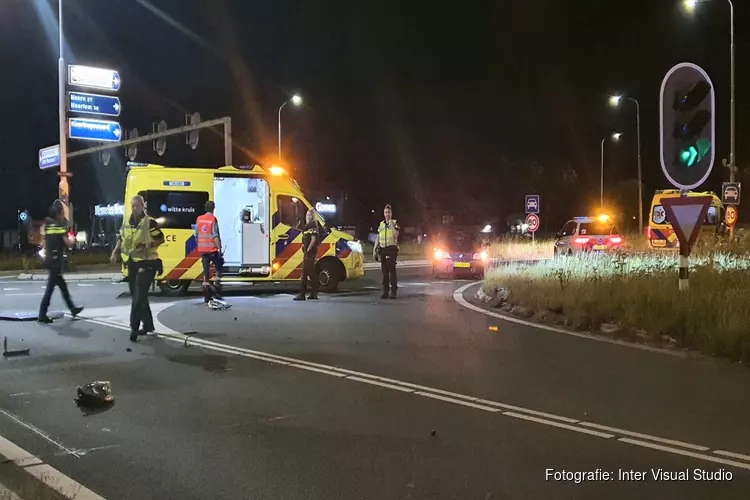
<point x="386" y="236"/>
<point x="131" y="237"/>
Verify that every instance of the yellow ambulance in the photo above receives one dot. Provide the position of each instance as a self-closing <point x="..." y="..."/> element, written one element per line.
<point x="660" y="233"/>
<point x="261" y="213"/>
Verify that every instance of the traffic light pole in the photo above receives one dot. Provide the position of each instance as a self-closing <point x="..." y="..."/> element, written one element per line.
<point x="732" y="166"/>
<point x="640" y="180"/>
<point x="226" y="122"/>
<point x="64" y="189"/>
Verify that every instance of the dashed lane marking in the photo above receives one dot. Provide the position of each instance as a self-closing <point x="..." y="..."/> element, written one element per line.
<point x="561" y="422"/>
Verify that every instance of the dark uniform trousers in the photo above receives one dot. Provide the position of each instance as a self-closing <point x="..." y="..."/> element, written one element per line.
<point x="308" y="272"/>
<point x="388" y="267"/>
<point x="55" y="279"/>
<point x="139" y="282"/>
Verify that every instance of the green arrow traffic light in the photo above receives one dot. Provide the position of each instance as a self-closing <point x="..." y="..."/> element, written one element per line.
<point x="688" y="156"/>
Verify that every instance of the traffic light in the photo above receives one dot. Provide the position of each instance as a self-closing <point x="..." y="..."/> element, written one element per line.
<point x="687" y="125"/>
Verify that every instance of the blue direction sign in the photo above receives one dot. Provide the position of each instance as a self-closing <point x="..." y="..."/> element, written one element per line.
<point x="532" y="203"/>
<point x="49" y="157"/>
<point x="93" y="104"/>
<point x="88" y="129"/>
<point x="86" y="76"/>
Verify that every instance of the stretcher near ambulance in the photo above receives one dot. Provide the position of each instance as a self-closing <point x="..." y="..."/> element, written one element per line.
<point x="261" y="213"/>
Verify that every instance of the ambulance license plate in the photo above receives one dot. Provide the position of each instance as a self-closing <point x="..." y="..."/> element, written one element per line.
<point x="462" y="264"/>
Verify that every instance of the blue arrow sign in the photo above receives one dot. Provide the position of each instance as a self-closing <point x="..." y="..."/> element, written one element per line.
<point x="88" y="129"/>
<point x="100" y="78"/>
<point x="93" y="104"/>
<point x="49" y="157"/>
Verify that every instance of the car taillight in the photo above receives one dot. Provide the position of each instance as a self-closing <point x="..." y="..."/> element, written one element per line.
<point x="648" y="232"/>
<point x="615" y="239"/>
<point x="581" y="241"/>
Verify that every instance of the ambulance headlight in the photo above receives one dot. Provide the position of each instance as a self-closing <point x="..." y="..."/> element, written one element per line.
<point x="354" y="246"/>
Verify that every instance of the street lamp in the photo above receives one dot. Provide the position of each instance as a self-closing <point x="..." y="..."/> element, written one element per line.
<point x="690" y="6"/>
<point x="614" y="101"/>
<point x="296" y="100"/>
<point x="64" y="189"/>
<point x="615" y="136"/>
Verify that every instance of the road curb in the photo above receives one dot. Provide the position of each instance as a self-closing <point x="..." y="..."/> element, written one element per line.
<point x="6" y="494"/>
<point x="460" y="300"/>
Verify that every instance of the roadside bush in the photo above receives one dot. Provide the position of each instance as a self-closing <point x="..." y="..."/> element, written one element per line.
<point x="638" y="292"/>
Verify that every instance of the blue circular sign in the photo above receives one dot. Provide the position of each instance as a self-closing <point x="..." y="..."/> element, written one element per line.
<point x="23" y="216"/>
<point x="163" y="207"/>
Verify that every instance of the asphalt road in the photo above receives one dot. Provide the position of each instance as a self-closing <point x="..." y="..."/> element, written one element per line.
<point x="338" y="399"/>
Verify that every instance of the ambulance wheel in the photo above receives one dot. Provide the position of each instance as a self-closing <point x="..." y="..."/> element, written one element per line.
<point x="330" y="273"/>
<point x="174" y="288"/>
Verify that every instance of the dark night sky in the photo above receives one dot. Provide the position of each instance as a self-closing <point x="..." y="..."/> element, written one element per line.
<point x="414" y="103"/>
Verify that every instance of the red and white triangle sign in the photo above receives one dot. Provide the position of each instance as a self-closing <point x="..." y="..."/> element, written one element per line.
<point x="686" y="214"/>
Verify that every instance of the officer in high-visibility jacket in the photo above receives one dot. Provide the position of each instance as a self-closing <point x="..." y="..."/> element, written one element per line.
<point x="209" y="246"/>
<point x="386" y="249"/>
<point x="138" y="242"/>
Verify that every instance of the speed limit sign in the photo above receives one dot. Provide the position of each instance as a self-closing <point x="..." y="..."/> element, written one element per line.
<point x="730" y="217"/>
<point x="532" y="220"/>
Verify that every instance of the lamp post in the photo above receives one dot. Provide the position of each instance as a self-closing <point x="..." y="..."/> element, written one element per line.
<point x="690" y="6"/>
<point x="616" y="136"/>
<point x="64" y="189"/>
<point x="614" y="101"/>
<point x="296" y="100"/>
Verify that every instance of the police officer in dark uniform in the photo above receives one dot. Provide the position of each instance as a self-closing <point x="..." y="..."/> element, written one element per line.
<point x="56" y="239"/>
<point x="310" y="244"/>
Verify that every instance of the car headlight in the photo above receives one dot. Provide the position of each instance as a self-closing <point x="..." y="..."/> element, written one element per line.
<point x="480" y="255"/>
<point x="41" y="254"/>
<point x="354" y="246"/>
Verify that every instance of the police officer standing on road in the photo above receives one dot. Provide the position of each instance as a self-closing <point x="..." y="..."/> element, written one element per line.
<point x="138" y="242"/>
<point x="310" y="244"/>
<point x="209" y="246"/>
<point x="386" y="248"/>
<point x="55" y="241"/>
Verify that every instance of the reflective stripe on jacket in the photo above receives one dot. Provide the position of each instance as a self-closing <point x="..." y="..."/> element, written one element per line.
<point x="131" y="237"/>
<point x="386" y="236"/>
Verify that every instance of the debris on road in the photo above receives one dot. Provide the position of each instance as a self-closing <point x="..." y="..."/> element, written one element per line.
<point x="17" y="352"/>
<point x="95" y="394"/>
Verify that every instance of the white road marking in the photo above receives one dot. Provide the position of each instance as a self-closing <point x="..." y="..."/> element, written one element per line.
<point x="518" y="412"/>
<point x="739" y="456"/>
<point x="85" y="284"/>
<point x="646" y="436"/>
<point x="32" y="294"/>
<point x="7" y="494"/>
<point x="459" y="298"/>
<point x="11" y="289"/>
<point x="39" y="433"/>
<point x="558" y="424"/>
<point x="414" y="284"/>
<point x="699" y="456"/>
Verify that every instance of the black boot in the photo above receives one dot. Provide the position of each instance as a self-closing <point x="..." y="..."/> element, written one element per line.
<point x="385" y="294"/>
<point x="393" y="294"/>
<point x="76" y="311"/>
<point x="299" y="296"/>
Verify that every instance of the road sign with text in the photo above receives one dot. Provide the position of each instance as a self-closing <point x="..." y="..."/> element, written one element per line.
<point x="98" y="78"/>
<point x="49" y="157"/>
<point x="88" y="129"/>
<point x="93" y="104"/>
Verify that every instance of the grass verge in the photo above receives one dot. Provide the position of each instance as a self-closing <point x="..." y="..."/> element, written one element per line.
<point x="635" y="297"/>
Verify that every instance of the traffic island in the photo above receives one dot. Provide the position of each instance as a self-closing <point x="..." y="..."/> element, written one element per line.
<point x="634" y="297"/>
